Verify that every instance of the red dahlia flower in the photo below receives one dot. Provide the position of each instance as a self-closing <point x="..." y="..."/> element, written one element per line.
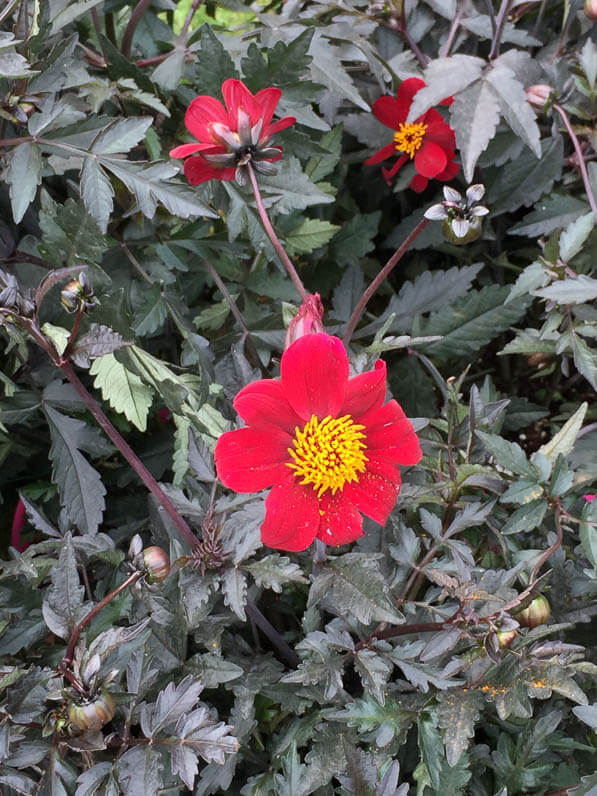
<point x="327" y="445"/>
<point x="233" y="136"/>
<point x="429" y="141"/>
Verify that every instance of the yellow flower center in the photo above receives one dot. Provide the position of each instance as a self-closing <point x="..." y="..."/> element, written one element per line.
<point x="327" y="453"/>
<point x="409" y="137"/>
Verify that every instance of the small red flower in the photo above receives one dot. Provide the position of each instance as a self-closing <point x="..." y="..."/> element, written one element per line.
<point x="327" y="444"/>
<point x="428" y="141"/>
<point x="232" y="136"/>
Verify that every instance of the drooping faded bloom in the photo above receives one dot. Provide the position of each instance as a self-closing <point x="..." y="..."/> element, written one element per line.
<point x="232" y="136"/>
<point x="327" y="445"/>
<point x="428" y="141"/>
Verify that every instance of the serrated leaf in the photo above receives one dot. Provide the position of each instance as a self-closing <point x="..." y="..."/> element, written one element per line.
<point x="57" y="335"/>
<point x="563" y="442"/>
<point x="508" y="454"/>
<point x="97" y="342"/>
<point x="197" y="735"/>
<point x="574" y="236"/>
<point x="572" y="290"/>
<point x="445" y="77"/>
<point x="97" y="193"/>
<point x="542" y="680"/>
<point x="91" y="779"/>
<point x="552" y="212"/>
<point x="472" y="322"/>
<point x="167" y="75"/>
<point x="514" y="105"/>
<point x="353" y="583"/>
<point x="214" y="64"/>
<point x="585" y="359"/>
<point x="355" y="237"/>
<point x="152" y="183"/>
<point x="68" y="13"/>
<point x="311" y="234"/>
<point x="234" y="588"/>
<point x="23" y="175"/>
<point x="328" y="70"/>
<point x="526" y="179"/>
<point x="526" y="518"/>
<point x="458" y="712"/>
<point x="474" y="116"/>
<point x="374" y="670"/>
<point x="139" y="771"/>
<point x="151" y="315"/>
<point x="121" y="135"/>
<point x="70" y="234"/>
<point x="273" y="571"/>
<point x="588" y="714"/>
<point x="64" y="598"/>
<point x="124" y="390"/>
<point x="291" y="189"/>
<point x="173" y="702"/>
<point x="80" y="485"/>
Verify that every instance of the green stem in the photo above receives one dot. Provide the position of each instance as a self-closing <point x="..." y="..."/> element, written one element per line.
<point x="292" y="272"/>
<point x="381" y="276"/>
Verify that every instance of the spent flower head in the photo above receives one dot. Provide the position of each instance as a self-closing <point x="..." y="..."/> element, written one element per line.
<point x="461" y="216"/>
<point x="232" y="137"/>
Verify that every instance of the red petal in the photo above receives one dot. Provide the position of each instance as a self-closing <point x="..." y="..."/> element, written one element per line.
<point x="201" y="114"/>
<point x="382" y="154"/>
<point x="291" y="516"/>
<point x="198" y="170"/>
<point x="389" y="173"/>
<point x="374" y="495"/>
<point x="314" y="373"/>
<point x="237" y="95"/>
<point x="419" y="183"/>
<point x="248" y="460"/>
<point x="276" y="127"/>
<point x="263" y="404"/>
<point x="389" y="111"/>
<point x="442" y="134"/>
<point x="449" y="172"/>
<point x="366" y="391"/>
<point x="266" y="100"/>
<point x="340" y="521"/>
<point x="188" y="149"/>
<point x="406" y="91"/>
<point x="390" y="433"/>
<point x="430" y="159"/>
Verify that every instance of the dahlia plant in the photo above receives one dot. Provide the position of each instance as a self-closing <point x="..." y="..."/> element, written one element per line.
<point x="298" y="455"/>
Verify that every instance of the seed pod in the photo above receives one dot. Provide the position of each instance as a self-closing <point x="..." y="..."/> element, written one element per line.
<point x="461" y="231"/>
<point x="156" y="563"/>
<point x="92" y="715"/>
<point x="535" y="614"/>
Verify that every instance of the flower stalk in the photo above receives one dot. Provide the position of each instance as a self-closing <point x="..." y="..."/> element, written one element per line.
<point x="381" y="276"/>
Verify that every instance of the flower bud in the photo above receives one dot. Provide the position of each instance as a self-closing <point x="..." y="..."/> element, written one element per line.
<point x="538" y="95"/>
<point x="506" y="637"/>
<point x="156" y="563"/>
<point x="537" y="613"/>
<point x="92" y="715"/>
<point x="590" y="9"/>
<point x="78" y="294"/>
<point x="308" y="320"/>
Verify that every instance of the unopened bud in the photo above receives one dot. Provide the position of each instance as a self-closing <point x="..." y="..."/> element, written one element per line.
<point x="591" y="9"/>
<point x="308" y="320"/>
<point x="535" y="614"/>
<point x="538" y="96"/>
<point x="92" y="715"/>
<point x="506" y="637"/>
<point x="156" y="564"/>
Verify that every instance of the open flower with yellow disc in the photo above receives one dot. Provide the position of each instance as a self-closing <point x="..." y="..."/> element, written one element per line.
<point x="327" y="445"/>
<point x="428" y="141"/>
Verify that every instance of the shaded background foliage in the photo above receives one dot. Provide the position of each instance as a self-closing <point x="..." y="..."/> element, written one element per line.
<point x="404" y="681"/>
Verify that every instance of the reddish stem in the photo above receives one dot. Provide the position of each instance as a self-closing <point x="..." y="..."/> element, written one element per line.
<point x="74" y="636"/>
<point x="581" y="160"/>
<point x="292" y="272"/>
<point x="381" y="276"/>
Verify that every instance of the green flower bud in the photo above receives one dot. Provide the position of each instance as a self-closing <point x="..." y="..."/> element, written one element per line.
<point x="92" y="715"/>
<point x="506" y="637"/>
<point x="535" y="614"/>
<point x="156" y="563"/>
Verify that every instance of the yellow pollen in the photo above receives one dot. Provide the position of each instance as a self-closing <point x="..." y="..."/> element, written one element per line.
<point x="328" y="453"/>
<point x="409" y="137"/>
